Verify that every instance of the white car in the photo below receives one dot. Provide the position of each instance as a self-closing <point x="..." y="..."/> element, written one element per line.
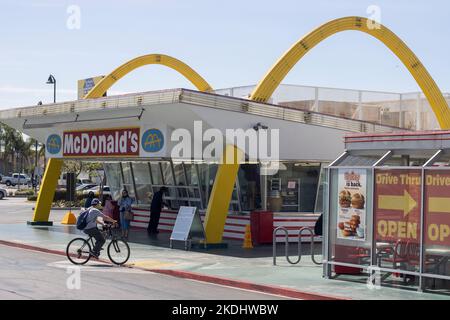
<point x="15" y="179"/>
<point x="83" y="187"/>
<point x="96" y="190"/>
<point x="3" y="193"/>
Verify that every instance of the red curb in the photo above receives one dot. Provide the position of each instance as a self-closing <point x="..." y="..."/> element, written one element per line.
<point x="291" y="293"/>
<point x="28" y="247"/>
<point x="286" y="292"/>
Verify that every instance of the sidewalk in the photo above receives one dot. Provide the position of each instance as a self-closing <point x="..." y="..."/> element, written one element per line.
<point x="223" y="264"/>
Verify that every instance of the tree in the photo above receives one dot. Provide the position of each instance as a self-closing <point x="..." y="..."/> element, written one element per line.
<point x="73" y="166"/>
<point x="18" y="151"/>
<point x="77" y="166"/>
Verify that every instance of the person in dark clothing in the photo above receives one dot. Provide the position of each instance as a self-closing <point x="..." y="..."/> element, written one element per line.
<point x="318" y="227"/>
<point x="89" y="199"/>
<point x="155" y="210"/>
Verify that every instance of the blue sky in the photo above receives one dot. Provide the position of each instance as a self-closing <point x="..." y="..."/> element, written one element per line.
<point x="230" y="43"/>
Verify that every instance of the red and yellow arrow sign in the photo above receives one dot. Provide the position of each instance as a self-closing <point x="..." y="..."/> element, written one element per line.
<point x="439" y="204"/>
<point x="404" y="203"/>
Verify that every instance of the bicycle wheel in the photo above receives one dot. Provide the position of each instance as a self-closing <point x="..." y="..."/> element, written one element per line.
<point x="118" y="251"/>
<point x="77" y="251"/>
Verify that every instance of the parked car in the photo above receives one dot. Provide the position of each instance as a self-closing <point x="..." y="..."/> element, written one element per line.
<point x="3" y="193"/>
<point x="84" y="181"/>
<point x="62" y="181"/>
<point x="83" y="187"/>
<point x="96" y="190"/>
<point x="16" y="179"/>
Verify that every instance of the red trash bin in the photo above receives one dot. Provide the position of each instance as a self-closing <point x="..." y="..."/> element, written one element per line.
<point x="261" y="225"/>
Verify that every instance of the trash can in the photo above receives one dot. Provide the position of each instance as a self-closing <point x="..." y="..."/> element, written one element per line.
<point x="261" y="225"/>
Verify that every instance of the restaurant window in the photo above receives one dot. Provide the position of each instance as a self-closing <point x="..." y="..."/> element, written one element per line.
<point x="181" y="190"/>
<point x="128" y="179"/>
<point x="249" y="186"/>
<point x="142" y="180"/>
<point x="167" y="172"/>
<point x="113" y="178"/>
<point x="294" y="187"/>
<point x="156" y="173"/>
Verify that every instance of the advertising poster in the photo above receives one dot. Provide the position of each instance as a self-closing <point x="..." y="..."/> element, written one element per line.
<point x="437" y="208"/>
<point x="352" y="188"/>
<point x="397" y="201"/>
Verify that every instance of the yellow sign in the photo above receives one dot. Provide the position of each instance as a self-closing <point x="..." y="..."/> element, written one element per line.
<point x="86" y="85"/>
<point x="439" y="204"/>
<point x="404" y="203"/>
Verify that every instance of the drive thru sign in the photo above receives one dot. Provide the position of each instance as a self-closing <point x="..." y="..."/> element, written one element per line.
<point x="397" y="204"/>
<point x="437" y="207"/>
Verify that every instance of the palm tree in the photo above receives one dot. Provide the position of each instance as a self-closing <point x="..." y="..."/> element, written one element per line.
<point x="16" y="150"/>
<point x="12" y="141"/>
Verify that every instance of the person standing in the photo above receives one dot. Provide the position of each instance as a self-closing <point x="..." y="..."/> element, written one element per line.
<point x="155" y="210"/>
<point x="125" y="203"/>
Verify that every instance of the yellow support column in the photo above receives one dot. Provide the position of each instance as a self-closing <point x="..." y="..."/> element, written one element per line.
<point x="47" y="192"/>
<point x="219" y="201"/>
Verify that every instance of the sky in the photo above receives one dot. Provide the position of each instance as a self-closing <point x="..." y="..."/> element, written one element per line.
<point x="230" y="43"/>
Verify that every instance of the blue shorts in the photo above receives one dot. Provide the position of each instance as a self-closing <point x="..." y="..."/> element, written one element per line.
<point x="125" y="224"/>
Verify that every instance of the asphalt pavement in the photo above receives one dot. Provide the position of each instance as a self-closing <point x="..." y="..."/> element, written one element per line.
<point x="25" y="274"/>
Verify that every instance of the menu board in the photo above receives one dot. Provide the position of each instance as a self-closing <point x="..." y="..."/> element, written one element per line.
<point x="188" y="225"/>
<point x="351" y="217"/>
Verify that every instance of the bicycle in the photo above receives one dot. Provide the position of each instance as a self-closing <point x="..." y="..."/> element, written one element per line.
<point x="78" y="250"/>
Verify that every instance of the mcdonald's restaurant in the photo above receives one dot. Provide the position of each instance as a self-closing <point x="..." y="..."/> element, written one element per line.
<point x="175" y="139"/>
<point x="181" y="139"/>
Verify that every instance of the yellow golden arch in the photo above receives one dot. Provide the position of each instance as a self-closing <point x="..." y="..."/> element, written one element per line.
<point x="53" y="143"/>
<point x="152" y="139"/>
<point x="53" y="169"/>
<point x="162" y="59"/>
<point x="276" y="74"/>
<point x="226" y="175"/>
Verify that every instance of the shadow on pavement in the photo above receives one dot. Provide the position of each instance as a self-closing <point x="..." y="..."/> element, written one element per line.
<point x="234" y="247"/>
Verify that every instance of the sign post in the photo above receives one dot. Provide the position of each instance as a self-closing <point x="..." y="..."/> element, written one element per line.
<point x="188" y="226"/>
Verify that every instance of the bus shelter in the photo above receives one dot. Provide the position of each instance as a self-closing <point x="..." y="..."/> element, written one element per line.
<point x="387" y="206"/>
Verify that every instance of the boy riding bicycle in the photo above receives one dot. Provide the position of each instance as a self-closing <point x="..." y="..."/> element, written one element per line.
<point x="91" y="226"/>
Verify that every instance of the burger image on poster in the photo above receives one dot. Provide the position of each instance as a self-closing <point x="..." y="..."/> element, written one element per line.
<point x="154" y="141"/>
<point x="345" y="199"/>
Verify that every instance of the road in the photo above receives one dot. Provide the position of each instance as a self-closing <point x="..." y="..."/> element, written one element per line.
<point x="26" y="274"/>
<point x="19" y="210"/>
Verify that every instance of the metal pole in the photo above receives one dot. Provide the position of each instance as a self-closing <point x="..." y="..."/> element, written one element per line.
<point x="35" y="166"/>
<point x="326" y="227"/>
<point x="422" y="233"/>
<point x="54" y="90"/>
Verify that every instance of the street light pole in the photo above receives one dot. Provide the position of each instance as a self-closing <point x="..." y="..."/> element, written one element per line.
<point x="52" y="80"/>
<point x="36" y="161"/>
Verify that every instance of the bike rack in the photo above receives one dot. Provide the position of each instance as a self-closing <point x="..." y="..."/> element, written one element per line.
<point x="299" y="245"/>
